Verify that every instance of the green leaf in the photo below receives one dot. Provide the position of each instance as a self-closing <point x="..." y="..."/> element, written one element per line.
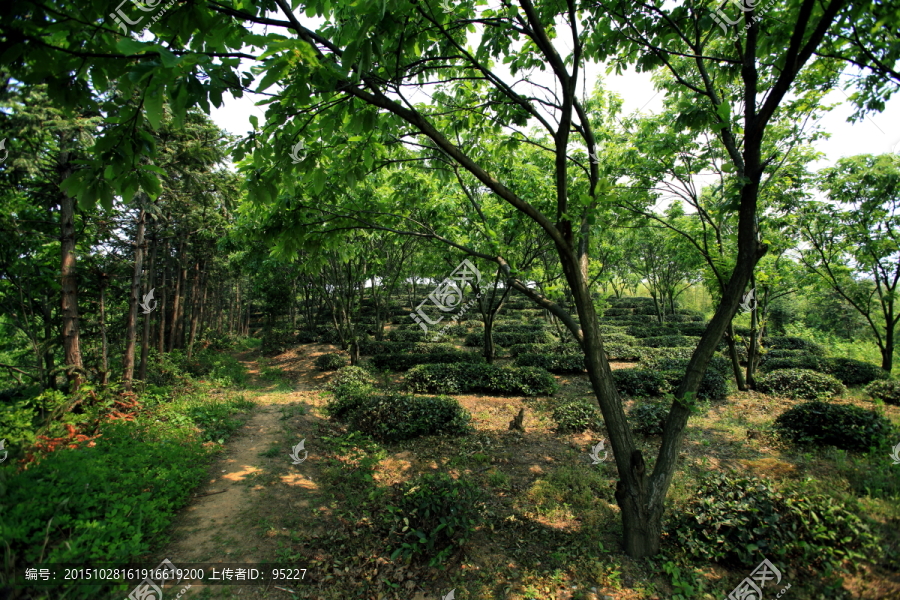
<point x="153" y="104"/>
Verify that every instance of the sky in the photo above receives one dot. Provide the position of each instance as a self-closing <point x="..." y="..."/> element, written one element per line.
<point x="876" y="134"/>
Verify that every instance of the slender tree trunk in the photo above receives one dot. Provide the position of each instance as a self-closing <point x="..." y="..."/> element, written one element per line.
<point x="195" y="309"/>
<point x="104" y="340"/>
<point x="145" y="340"/>
<point x="887" y="353"/>
<point x="735" y="360"/>
<point x="135" y="298"/>
<point x="751" y="350"/>
<point x="176" y="299"/>
<point x="163" y="299"/>
<point x="71" y="340"/>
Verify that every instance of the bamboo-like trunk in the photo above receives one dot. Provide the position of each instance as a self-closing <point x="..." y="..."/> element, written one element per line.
<point x="145" y="340"/>
<point x="70" y="335"/>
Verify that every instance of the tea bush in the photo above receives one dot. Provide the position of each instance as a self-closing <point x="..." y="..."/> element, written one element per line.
<point x="555" y="363"/>
<point x="887" y="391"/>
<point x="639" y="383"/>
<point x="350" y="375"/>
<point x="840" y="425"/>
<point x="431" y="517"/>
<point x="330" y="362"/>
<point x="649" y="355"/>
<point x="616" y="351"/>
<point x="648" y="417"/>
<point x="474" y="377"/>
<point x="393" y="417"/>
<point x="402" y="362"/>
<point x="799" y="361"/>
<point x="735" y="521"/>
<point x="407" y="335"/>
<point x="554" y="348"/>
<point x="373" y="347"/>
<point x="794" y="343"/>
<point x="854" y="372"/>
<point x="669" y="341"/>
<point x="642" y="330"/>
<point x="577" y="415"/>
<point x="800" y="383"/>
<point x="538" y="336"/>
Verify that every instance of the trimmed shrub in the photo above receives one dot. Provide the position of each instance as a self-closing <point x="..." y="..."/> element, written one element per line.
<point x="402" y="362"/>
<point x="393" y="417"/>
<point x="788" y="342"/>
<point x="537" y="336"/>
<point x="372" y="347"/>
<point x="646" y="331"/>
<point x="669" y="341"/>
<point x="713" y="386"/>
<point x="478" y="377"/>
<point x="799" y="361"/>
<point x="734" y="521"/>
<point x="577" y="415"/>
<point x="616" y="351"/>
<point x="691" y="329"/>
<point x="888" y="391"/>
<point x="649" y="355"/>
<point x="555" y="363"/>
<point x="639" y="383"/>
<point x="630" y="301"/>
<point x="518" y="328"/>
<point x="619" y="337"/>
<point x="648" y="418"/>
<point x="854" y="372"/>
<point x="350" y="375"/>
<point x="330" y="362"/>
<point x="800" y="383"/>
<point x="407" y="335"/>
<point x="432" y="516"/>
<point x="553" y="348"/>
<point x="840" y="425"/>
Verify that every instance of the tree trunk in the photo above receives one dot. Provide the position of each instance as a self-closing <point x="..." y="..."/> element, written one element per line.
<point x="489" y="349"/>
<point x="163" y="298"/>
<point x="134" y="299"/>
<point x="145" y="340"/>
<point x="176" y="298"/>
<point x="887" y="353"/>
<point x="195" y="309"/>
<point x="735" y="360"/>
<point x="104" y="342"/>
<point x="71" y="341"/>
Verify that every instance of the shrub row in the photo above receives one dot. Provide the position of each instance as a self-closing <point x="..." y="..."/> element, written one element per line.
<point x="886" y="391"/>
<point x="800" y="383"/>
<point x="555" y="362"/>
<point x="847" y="370"/>
<point x="669" y="341"/>
<point x="553" y="348"/>
<point x="509" y="339"/>
<point x="649" y="383"/>
<point x="475" y="377"/>
<point x="402" y="362"/>
<point x="844" y="426"/>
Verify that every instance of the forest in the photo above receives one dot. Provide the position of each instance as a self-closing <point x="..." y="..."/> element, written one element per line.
<point x="448" y="321"/>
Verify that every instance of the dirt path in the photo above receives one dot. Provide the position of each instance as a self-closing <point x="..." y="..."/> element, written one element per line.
<point x="245" y="511"/>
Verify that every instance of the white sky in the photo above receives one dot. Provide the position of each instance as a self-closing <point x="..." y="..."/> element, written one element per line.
<point x="877" y="134"/>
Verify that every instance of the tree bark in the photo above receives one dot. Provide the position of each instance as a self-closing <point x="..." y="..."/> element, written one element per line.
<point x="71" y="338"/>
<point x="134" y="299"/>
<point x="195" y="309"/>
<point x="145" y="340"/>
<point x="104" y="341"/>
<point x="735" y="360"/>
<point x="163" y="300"/>
<point x="176" y="298"/>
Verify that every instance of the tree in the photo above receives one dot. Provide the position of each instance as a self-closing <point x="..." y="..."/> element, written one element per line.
<point x="855" y="242"/>
<point x="345" y="81"/>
